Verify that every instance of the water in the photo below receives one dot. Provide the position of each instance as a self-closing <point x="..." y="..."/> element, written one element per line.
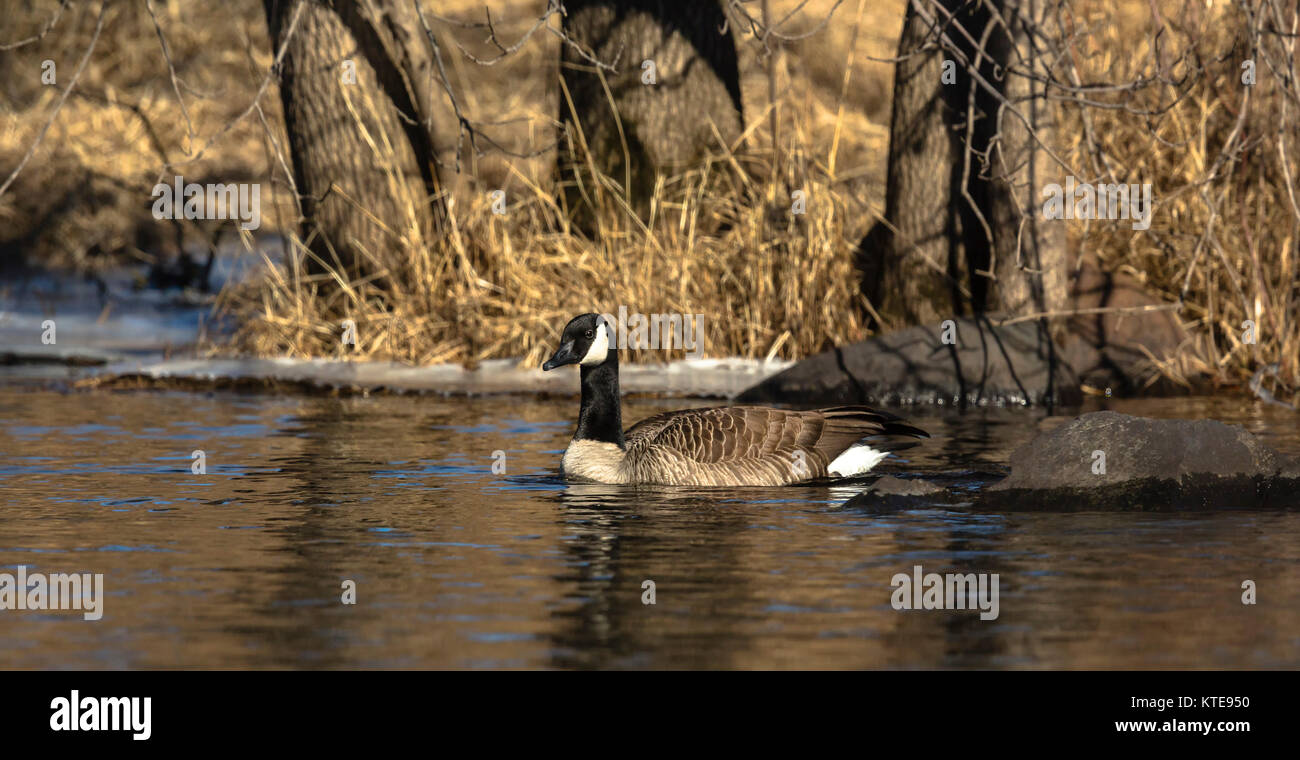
<point x="109" y="316"/>
<point x="458" y="567"/>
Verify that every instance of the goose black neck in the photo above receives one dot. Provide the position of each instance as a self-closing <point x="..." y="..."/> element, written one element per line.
<point x="601" y="417"/>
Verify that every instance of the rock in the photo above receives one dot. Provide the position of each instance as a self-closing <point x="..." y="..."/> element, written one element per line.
<point x="892" y="486"/>
<point x="987" y="364"/>
<point x="1112" y="461"/>
<point x="890" y="493"/>
<point x="1119" y="349"/>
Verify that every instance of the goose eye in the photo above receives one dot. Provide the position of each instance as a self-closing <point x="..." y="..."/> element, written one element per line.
<point x="587" y="334"/>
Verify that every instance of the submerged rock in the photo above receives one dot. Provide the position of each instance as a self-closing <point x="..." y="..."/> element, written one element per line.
<point x="982" y="364"/>
<point x="892" y="493"/>
<point x="892" y="486"/>
<point x="1112" y="461"/>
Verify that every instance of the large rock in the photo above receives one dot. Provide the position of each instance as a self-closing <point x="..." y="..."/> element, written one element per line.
<point x="1107" y="460"/>
<point x="1117" y="337"/>
<point x="986" y="364"/>
<point x="1121" y="348"/>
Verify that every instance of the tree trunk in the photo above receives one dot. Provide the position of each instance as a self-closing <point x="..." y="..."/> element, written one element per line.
<point x="912" y="270"/>
<point x="958" y="222"/>
<point x="634" y="129"/>
<point x="362" y="152"/>
<point x="1029" y="252"/>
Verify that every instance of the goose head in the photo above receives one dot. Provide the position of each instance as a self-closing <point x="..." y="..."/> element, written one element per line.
<point x="585" y="342"/>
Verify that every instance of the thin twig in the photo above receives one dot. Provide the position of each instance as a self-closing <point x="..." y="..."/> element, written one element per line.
<point x="99" y="25"/>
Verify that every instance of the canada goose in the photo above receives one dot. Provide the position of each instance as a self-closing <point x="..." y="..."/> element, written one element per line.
<point x="719" y="446"/>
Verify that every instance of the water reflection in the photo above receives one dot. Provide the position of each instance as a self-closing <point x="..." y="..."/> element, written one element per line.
<point x="458" y="566"/>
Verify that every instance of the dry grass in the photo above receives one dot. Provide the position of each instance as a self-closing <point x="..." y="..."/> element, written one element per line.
<point x="721" y="242"/>
<point x="1224" y="231"/>
<point x="767" y="282"/>
<point x="503" y="286"/>
<point x="86" y="193"/>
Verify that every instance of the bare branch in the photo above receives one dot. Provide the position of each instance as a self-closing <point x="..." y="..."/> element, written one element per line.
<point x="58" y="12"/>
<point x="99" y="25"/>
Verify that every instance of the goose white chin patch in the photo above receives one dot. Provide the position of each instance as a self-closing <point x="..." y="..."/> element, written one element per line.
<point x="599" y="350"/>
<point x="856" y="460"/>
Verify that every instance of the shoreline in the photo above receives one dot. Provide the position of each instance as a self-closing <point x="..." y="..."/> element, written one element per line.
<point x="690" y="378"/>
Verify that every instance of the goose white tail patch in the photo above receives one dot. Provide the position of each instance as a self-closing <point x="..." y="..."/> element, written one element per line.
<point x="599" y="350"/>
<point x="856" y="460"/>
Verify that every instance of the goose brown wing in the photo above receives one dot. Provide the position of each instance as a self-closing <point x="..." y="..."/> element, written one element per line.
<point x="740" y="433"/>
<point x="721" y="434"/>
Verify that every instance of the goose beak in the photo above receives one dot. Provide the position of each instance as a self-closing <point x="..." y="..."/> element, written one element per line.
<point x="564" y="355"/>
